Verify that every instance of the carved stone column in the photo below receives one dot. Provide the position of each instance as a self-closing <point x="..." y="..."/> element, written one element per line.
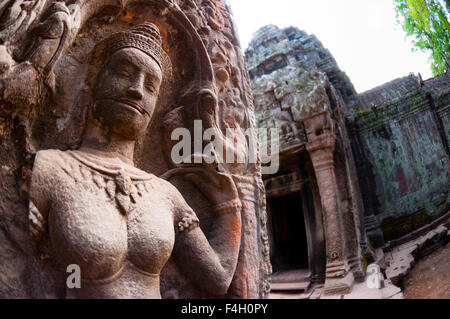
<point x="321" y="148"/>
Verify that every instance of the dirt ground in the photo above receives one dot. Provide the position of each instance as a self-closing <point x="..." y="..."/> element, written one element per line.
<point x="430" y="277"/>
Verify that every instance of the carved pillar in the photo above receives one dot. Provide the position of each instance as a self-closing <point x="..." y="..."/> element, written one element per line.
<point x="321" y="146"/>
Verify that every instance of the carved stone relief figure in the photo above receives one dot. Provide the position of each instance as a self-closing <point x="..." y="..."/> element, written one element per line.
<point x="231" y="96"/>
<point x="92" y="207"/>
<point x="51" y="46"/>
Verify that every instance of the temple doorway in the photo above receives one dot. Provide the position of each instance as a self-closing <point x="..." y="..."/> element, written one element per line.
<point x="290" y="248"/>
<point x="295" y="226"/>
<point x="289" y="258"/>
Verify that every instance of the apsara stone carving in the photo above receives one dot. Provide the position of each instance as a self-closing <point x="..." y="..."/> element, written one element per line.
<point x="63" y="116"/>
<point x="122" y="238"/>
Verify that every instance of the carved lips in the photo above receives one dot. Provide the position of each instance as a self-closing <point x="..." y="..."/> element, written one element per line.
<point x="130" y="104"/>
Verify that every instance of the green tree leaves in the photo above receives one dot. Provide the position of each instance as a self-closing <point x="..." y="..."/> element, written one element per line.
<point x="427" y="22"/>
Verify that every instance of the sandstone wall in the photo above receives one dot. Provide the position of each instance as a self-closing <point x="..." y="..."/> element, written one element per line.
<point x="402" y="132"/>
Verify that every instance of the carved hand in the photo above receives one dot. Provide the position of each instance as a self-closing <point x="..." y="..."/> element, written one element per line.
<point x="216" y="186"/>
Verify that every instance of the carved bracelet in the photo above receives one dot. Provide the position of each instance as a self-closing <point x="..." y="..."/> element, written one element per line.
<point x="229" y="207"/>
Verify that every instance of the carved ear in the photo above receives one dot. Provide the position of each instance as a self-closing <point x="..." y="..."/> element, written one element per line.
<point x="207" y="108"/>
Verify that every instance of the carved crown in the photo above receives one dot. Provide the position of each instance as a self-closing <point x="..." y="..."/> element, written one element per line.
<point x="145" y="37"/>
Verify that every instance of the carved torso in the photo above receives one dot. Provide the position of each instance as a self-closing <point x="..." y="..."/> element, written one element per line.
<point x="113" y="220"/>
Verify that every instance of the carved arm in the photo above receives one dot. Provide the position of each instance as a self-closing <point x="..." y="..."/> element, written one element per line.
<point x="211" y="264"/>
<point x="210" y="261"/>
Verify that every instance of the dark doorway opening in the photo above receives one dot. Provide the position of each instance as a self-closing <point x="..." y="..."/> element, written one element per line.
<point x="290" y="248"/>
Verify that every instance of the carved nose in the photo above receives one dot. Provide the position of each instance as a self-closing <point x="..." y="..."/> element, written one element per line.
<point x="135" y="92"/>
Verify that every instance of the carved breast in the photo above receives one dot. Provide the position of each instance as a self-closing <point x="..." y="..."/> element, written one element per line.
<point x="95" y="225"/>
<point x="151" y="234"/>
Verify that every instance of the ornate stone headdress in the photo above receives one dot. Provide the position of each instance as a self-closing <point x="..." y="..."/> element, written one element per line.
<point x="145" y="37"/>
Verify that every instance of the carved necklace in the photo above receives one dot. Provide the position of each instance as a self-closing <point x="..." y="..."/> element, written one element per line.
<point x="121" y="181"/>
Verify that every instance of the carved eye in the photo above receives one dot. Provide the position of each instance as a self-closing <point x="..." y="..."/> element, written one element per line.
<point x="121" y="69"/>
<point x="149" y="85"/>
<point x="123" y="72"/>
<point x="150" y="88"/>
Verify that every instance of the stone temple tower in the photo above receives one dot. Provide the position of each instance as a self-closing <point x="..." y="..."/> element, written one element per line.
<point x="358" y="172"/>
<point x="315" y="211"/>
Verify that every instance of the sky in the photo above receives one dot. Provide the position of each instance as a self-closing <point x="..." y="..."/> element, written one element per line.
<point x="362" y="35"/>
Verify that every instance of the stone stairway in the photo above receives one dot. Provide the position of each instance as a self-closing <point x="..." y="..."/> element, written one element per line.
<point x="293" y="284"/>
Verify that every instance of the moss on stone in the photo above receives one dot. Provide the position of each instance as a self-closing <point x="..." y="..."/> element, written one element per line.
<point x="394" y="228"/>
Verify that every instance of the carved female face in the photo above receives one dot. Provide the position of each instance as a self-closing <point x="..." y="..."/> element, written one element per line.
<point x="126" y="92"/>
